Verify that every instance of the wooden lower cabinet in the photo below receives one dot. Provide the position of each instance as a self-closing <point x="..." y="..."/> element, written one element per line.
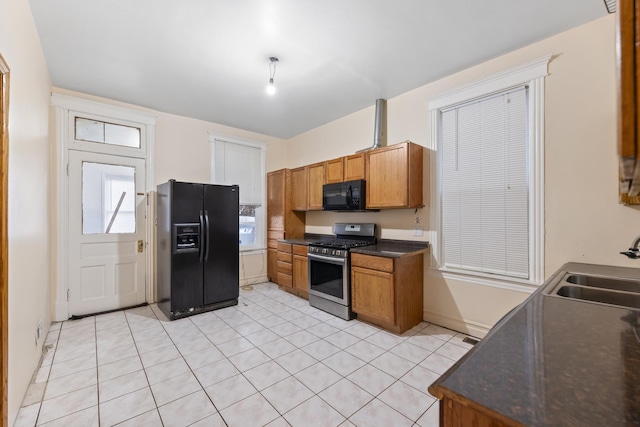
<point x="301" y="271"/>
<point x="372" y="294"/>
<point x="291" y="267"/>
<point x="284" y="267"/>
<point x="272" y="264"/>
<point x="388" y="291"/>
<point x="456" y="414"/>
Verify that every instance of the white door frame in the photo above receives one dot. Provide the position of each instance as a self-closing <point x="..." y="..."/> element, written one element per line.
<point x="65" y="107"/>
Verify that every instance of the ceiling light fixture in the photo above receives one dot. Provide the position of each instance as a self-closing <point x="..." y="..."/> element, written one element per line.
<point x="271" y="89"/>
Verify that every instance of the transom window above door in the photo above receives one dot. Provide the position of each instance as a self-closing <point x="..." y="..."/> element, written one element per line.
<point x="106" y="133"/>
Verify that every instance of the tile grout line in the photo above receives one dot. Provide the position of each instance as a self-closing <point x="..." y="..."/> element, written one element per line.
<point x="135" y="344"/>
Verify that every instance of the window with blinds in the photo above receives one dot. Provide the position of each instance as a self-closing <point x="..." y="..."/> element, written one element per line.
<point x="485" y="185"/>
<point x="243" y="165"/>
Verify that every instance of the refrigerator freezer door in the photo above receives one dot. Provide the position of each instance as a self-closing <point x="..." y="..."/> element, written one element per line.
<point x="186" y="269"/>
<point x="221" y="270"/>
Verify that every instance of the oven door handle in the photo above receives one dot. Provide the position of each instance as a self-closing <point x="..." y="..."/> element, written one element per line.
<point x="338" y="261"/>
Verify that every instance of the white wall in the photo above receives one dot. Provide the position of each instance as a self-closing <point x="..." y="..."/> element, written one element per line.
<point x="584" y="222"/>
<point x="29" y="228"/>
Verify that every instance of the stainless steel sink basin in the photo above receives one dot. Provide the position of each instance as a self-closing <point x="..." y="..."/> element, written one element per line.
<point x="623" y="299"/>
<point x="597" y="289"/>
<point x="604" y="282"/>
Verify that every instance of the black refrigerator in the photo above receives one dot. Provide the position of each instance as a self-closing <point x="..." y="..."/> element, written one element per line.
<point x="197" y="247"/>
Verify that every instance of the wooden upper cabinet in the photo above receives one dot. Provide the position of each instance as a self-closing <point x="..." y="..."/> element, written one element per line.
<point x="315" y="177"/>
<point x="299" y="189"/>
<point x="354" y="167"/>
<point x="276" y="199"/>
<point x="282" y="221"/>
<point x="628" y="64"/>
<point x="334" y="171"/>
<point x="394" y="176"/>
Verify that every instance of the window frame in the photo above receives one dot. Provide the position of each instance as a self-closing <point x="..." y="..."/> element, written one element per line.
<point x="532" y="75"/>
<point x="259" y="243"/>
<point x="103" y="147"/>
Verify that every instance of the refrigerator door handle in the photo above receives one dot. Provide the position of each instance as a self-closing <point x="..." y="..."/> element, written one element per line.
<point x="203" y="236"/>
<point x="206" y="221"/>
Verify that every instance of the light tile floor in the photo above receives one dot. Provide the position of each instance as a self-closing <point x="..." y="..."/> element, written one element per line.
<point x="271" y="360"/>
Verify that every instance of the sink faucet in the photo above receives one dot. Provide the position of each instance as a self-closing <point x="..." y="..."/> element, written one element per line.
<point x="633" y="251"/>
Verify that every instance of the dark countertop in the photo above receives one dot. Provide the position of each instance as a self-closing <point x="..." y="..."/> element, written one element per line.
<point x="392" y="248"/>
<point x="307" y="239"/>
<point x="556" y="361"/>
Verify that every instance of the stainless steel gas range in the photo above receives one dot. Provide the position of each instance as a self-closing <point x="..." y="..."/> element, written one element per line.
<point x="330" y="268"/>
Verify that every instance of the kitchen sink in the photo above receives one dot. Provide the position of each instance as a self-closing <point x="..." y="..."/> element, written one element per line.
<point x="597" y="289"/>
<point x="604" y="282"/>
<point x="623" y="299"/>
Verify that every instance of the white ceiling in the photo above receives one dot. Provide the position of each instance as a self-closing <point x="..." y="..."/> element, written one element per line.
<point x="208" y="59"/>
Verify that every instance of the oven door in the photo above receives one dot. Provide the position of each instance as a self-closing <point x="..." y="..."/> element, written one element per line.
<point x="329" y="278"/>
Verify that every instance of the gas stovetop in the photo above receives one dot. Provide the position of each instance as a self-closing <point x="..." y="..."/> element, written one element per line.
<point x="348" y="236"/>
<point x="341" y="243"/>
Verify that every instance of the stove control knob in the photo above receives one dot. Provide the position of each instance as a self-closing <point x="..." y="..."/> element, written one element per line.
<point x="324" y="251"/>
<point x="339" y="253"/>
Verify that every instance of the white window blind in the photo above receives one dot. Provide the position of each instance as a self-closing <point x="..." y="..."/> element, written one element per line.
<point x="242" y="165"/>
<point x="485" y="185"/>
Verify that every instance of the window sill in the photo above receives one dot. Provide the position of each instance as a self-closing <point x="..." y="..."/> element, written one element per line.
<point x="512" y="284"/>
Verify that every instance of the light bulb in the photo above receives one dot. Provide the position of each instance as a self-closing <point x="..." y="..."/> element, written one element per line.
<point x="271" y="89"/>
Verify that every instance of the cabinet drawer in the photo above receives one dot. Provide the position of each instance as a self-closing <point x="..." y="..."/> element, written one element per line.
<point x="284" y="267"/>
<point x="284" y="257"/>
<point x="300" y="250"/>
<point x="272" y="243"/>
<point x="284" y="247"/>
<point x="275" y="235"/>
<point x="372" y="262"/>
<point x="284" y="279"/>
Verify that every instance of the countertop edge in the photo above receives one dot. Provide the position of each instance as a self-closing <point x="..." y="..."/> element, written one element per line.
<point x="439" y="390"/>
<point x="387" y="248"/>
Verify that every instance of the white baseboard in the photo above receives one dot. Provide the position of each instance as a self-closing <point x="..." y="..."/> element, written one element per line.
<point x="254" y="280"/>
<point x="475" y="329"/>
<point x="60" y="311"/>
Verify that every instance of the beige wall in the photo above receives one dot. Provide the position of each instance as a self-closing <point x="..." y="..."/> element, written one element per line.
<point x="29" y="230"/>
<point x="584" y="222"/>
<point x="182" y="151"/>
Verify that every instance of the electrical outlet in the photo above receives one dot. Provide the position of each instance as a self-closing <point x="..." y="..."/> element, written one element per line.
<point x="417" y="231"/>
<point x="38" y="332"/>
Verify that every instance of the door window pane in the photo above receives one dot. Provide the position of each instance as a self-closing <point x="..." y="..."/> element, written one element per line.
<point x="107" y="133"/>
<point x="108" y="199"/>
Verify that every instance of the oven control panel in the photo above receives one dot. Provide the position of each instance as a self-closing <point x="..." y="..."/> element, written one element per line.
<point x="338" y="253"/>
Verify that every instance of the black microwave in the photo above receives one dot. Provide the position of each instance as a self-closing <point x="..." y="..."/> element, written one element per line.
<point x="344" y="196"/>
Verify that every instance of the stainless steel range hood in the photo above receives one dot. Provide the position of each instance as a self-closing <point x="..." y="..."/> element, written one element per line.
<point x="380" y="126"/>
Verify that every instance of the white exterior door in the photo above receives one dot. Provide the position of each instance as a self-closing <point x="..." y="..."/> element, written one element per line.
<point x="106" y="225"/>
